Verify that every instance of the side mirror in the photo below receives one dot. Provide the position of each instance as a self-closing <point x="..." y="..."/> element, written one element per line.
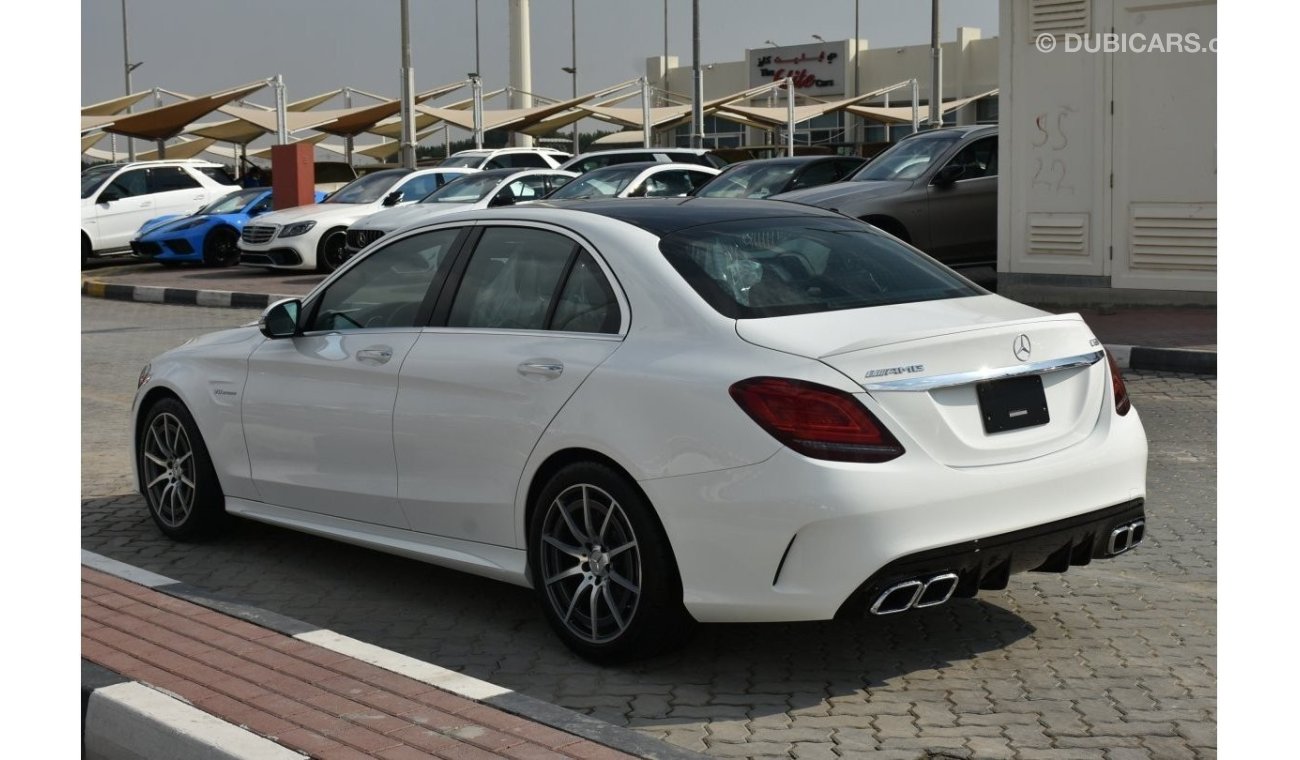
<point x="949" y="174"/>
<point x="110" y="194"/>
<point x="505" y="198"/>
<point x="393" y="198"/>
<point x="280" y="320"/>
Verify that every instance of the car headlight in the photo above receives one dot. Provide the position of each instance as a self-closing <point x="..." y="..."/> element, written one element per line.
<point x="144" y="375"/>
<point x="296" y="228"/>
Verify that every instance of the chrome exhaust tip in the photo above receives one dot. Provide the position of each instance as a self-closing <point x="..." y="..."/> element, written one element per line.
<point x="937" y="590"/>
<point x="898" y="598"/>
<point x="1126" y="537"/>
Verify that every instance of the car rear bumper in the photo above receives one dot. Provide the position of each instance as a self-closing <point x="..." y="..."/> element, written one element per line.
<point x="794" y="538"/>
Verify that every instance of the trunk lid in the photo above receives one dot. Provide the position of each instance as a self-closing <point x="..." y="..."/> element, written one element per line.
<point x="924" y="362"/>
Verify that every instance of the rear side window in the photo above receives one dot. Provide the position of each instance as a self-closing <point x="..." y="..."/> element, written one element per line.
<point x="511" y="279"/>
<point x="163" y="179"/>
<point x="218" y="174"/>
<point x="799" y="265"/>
<point x="525" y="161"/>
<point x="587" y="303"/>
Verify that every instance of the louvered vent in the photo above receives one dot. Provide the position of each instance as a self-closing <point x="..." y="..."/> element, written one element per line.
<point x="1058" y="17"/>
<point x="1058" y="234"/>
<point x="1174" y="236"/>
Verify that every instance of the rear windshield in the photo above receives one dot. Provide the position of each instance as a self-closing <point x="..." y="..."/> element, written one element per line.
<point x="367" y="189"/>
<point x="800" y="265"/>
<point x="599" y="183"/>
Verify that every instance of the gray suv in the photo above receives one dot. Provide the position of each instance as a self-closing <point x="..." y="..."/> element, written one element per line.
<point x="937" y="190"/>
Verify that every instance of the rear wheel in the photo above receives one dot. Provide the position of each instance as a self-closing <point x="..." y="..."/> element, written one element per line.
<point x="329" y="253"/>
<point x="602" y="567"/>
<point x="179" y="483"/>
<point x="85" y="250"/>
<point x="221" y="247"/>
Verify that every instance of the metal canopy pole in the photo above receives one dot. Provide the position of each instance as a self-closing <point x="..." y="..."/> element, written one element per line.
<point x="789" y="116"/>
<point x="162" y="143"/>
<point x="476" y="86"/>
<point x="916" y="109"/>
<point x="281" y="112"/>
<point x="347" y="141"/>
<point x="936" y="68"/>
<point x="697" y="99"/>
<point x="645" y="112"/>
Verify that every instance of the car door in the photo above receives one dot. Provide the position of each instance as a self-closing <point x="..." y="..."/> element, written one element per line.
<point x="534" y="313"/>
<point x="963" y="214"/>
<point x="318" y="407"/>
<point x="174" y="191"/>
<point x="123" y="204"/>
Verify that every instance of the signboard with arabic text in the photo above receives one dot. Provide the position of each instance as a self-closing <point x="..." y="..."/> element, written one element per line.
<point x="816" y="69"/>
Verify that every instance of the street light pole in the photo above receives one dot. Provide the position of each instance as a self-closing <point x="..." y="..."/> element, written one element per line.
<point x="408" y="91"/>
<point x="128" y="68"/>
<point x="573" y="25"/>
<point x="936" y="73"/>
<point x="478" y="67"/>
<point x="697" y="98"/>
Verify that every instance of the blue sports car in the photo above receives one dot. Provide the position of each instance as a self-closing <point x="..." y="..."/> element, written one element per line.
<point x="209" y="235"/>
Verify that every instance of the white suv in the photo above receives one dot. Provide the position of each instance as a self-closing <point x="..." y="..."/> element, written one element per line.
<point x="507" y="158"/>
<point x="117" y="198"/>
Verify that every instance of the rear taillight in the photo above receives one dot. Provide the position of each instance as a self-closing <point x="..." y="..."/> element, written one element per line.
<point x="816" y="421"/>
<point x="1122" y="404"/>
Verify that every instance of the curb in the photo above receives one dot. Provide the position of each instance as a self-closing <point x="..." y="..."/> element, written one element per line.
<point x="1150" y="358"/>
<point x="180" y="296"/>
<point x="96" y="681"/>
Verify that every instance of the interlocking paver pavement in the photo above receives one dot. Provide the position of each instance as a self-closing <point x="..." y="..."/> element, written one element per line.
<point x="1113" y="660"/>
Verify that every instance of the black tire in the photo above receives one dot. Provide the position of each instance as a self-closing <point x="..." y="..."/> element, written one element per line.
<point x="85" y="250"/>
<point x="614" y="593"/>
<point x="221" y="247"/>
<point x="329" y="252"/>
<point x="182" y="491"/>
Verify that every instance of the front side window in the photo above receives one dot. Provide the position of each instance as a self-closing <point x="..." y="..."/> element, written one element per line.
<point x="511" y="279"/>
<point x="979" y="159"/>
<point x="387" y="288"/>
<point x="418" y="187"/>
<point x="129" y="184"/>
<point x="93" y="177"/>
<point x="217" y="174"/>
<point x="798" y="265"/>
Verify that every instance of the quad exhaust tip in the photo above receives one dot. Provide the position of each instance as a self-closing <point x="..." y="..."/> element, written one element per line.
<point x="915" y="593"/>
<point x="1126" y="537"/>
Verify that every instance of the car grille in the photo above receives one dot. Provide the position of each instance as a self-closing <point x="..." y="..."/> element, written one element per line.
<point x="257" y="234"/>
<point x="359" y="239"/>
<point x="145" y="249"/>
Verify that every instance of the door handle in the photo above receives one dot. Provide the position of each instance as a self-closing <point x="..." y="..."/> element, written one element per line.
<point x="545" y="368"/>
<point x="374" y="356"/>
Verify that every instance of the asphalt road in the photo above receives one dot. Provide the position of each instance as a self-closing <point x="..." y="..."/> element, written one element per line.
<point x="1112" y="661"/>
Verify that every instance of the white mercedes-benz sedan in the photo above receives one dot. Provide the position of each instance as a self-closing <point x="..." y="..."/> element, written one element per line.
<point x="655" y="412"/>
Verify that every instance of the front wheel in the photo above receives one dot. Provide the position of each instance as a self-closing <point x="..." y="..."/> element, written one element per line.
<point x="177" y="478"/>
<point x="602" y="567"/>
<point x="329" y="254"/>
<point x="221" y="248"/>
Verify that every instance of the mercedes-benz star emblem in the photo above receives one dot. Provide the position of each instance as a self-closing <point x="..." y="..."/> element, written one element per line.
<point x="1022" y="348"/>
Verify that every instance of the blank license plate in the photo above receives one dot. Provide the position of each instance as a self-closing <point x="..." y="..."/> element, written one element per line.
<point x="1013" y="403"/>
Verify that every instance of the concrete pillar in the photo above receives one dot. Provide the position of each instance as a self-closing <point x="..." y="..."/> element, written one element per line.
<point x="293" y="175"/>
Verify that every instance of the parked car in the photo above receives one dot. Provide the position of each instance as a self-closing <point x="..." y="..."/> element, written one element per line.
<point x="766" y="177"/>
<point x="507" y="158"/>
<point x="117" y="198"/>
<point x="209" y="235"/>
<point x="601" y="158"/>
<point x="937" y="190"/>
<point x="655" y="412"/>
<point x="486" y="189"/>
<point x="644" y="179"/>
<point x="312" y="237"/>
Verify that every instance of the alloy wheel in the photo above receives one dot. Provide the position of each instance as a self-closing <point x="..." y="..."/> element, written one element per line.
<point x="169" y="469"/>
<point x="590" y="563"/>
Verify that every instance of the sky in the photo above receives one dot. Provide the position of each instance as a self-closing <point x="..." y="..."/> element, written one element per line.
<point x="194" y="47"/>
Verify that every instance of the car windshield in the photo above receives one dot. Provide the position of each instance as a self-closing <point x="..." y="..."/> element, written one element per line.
<point x="467" y="189"/>
<point x="753" y="181"/>
<point x="231" y="203"/>
<point x="93" y="177"/>
<point x="472" y="161"/>
<point x="908" y="159"/>
<point x="368" y="189"/>
<point x="601" y="183"/>
<point x="804" y="264"/>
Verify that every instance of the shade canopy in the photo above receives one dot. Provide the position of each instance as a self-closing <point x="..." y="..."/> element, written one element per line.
<point x="89" y="123"/>
<point x="506" y="118"/>
<point x="168" y="121"/>
<point x="770" y="117"/>
<point x="306" y="104"/>
<point x="903" y="114"/>
<point x="116" y="105"/>
<point x="353" y="121"/>
<point x="88" y="141"/>
<point x="183" y="148"/>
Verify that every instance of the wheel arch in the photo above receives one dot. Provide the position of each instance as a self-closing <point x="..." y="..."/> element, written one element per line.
<point x="151" y="397"/>
<point x="562" y="458"/>
<point x="889" y="224"/>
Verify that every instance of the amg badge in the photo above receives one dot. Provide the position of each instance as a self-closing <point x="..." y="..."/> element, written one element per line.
<point x="909" y="369"/>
